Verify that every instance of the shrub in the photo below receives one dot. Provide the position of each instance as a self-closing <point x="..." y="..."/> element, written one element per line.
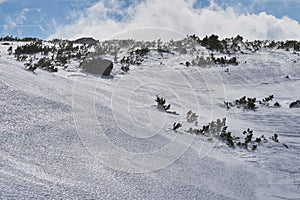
<point x="45" y="64"/>
<point x="161" y="105"/>
<point x="125" y="68"/>
<point x="250" y="103"/>
<point x="192" y="117"/>
<point x="32" y="48"/>
<point x="176" y="126"/>
<point x="10" y="50"/>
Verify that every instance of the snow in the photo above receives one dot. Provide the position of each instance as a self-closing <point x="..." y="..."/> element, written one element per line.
<point x="72" y="135"/>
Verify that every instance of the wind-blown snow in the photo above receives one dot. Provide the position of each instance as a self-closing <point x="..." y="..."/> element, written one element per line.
<point x="47" y="120"/>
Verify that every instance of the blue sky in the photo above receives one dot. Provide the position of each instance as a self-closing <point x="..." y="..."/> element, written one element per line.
<point x="43" y="18"/>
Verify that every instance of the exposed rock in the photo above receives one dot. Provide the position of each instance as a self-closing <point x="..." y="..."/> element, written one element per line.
<point x="97" y="66"/>
<point x="295" y="104"/>
<point x="86" y="40"/>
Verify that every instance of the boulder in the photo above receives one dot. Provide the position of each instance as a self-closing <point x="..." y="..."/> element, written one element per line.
<point x="97" y="66"/>
<point x="295" y="104"/>
<point x="86" y="40"/>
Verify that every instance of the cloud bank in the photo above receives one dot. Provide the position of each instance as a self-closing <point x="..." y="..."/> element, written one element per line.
<point x="103" y="21"/>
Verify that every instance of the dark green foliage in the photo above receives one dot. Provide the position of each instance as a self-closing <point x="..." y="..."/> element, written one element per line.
<point x="258" y="140"/>
<point x="32" y="48"/>
<point x="187" y="64"/>
<point x="250" y="103"/>
<point x="176" y="126"/>
<point x="276" y="104"/>
<point x="228" y="104"/>
<point x="246" y="103"/>
<point x="135" y="57"/>
<point x="248" y="138"/>
<point x="289" y="44"/>
<point x="61" y="52"/>
<point x="9" y="38"/>
<point x="125" y="68"/>
<point x="62" y="59"/>
<point x="226" y="136"/>
<point x="231" y="45"/>
<point x="142" y="52"/>
<point x="218" y="129"/>
<point x="30" y="67"/>
<point x="10" y="50"/>
<point x="160" y="101"/>
<point x="45" y="64"/>
<point x="214" y="128"/>
<point x="275" y="138"/>
<point x="192" y="117"/>
<point x="224" y="61"/>
<point x="212" y="43"/>
<point x="22" y="58"/>
<point x="15" y="39"/>
<point x="266" y="100"/>
<point x="161" y="105"/>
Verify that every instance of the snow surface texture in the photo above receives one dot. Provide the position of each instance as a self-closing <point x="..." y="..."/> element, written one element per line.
<point x="70" y="135"/>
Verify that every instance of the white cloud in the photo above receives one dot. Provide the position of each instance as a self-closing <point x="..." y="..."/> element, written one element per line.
<point x="181" y="16"/>
<point x="2" y="1"/>
<point x="13" y="22"/>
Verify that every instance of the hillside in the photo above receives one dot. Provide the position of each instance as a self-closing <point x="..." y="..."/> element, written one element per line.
<point x="69" y="134"/>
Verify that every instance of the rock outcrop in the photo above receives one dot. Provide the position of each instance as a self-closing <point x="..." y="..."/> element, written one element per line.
<point x="295" y="104"/>
<point x="97" y="66"/>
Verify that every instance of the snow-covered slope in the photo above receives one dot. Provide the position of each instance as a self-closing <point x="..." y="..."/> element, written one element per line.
<point x="71" y="135"/>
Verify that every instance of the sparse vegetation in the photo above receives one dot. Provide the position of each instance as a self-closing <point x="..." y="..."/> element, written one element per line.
<point x="251" y="103"/>
<point x="55" y="53"/>
<point x="176" y="126"/>
<point x="161" y="105"/>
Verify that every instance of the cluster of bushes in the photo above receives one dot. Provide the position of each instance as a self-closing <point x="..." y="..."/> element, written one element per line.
<point x="10" y="50"/>
<point x="218" y="129"/>
<point x="231" y="45"/>
<point x="43" y="63"/>
<point x="256" y="45"/>
<point x="32" y="48"/>
<point x="224" y="60"/>
<point x="16" y="39"/>
<point x="251" y="103"/>
<point x="287" y="45"/>
<point x="135" y="57"/>
<point x="201" y="61"/>
<point x="61" y="51"/>
<point x="213" y="43"/>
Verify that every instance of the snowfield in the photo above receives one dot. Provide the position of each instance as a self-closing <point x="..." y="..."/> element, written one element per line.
<point x="71" y="135"/>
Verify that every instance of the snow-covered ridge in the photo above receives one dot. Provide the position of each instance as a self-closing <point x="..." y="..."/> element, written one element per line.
<point x="52" y="124"/>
